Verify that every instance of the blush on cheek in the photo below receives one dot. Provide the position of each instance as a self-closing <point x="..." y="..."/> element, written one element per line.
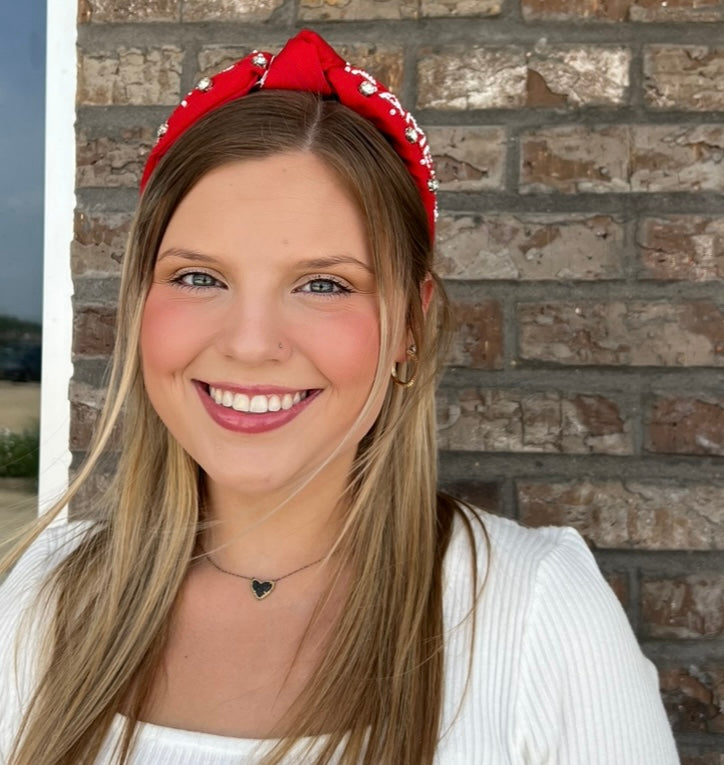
<point x="166" y="329"/>
<point x="351" y="348"/>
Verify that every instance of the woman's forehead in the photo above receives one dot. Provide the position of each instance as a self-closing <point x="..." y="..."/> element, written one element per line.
<point x="286" y="202"/>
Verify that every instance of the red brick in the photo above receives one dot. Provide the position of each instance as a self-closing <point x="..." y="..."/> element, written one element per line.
<point x="94" y="330"/>
<point x="520" y="421"/>
<point x="110" y="11"/>
<point x="637" y="333"/>
<point x="710" y="758"/>
<point x="578" y="158"/>
<point x="99" y="242"/>
<point x="682" y="247"/>
<point x="113" y="162"/>
<point x="229" y="10"/>
<point x="384" y="62"/>
<point x="85" y="405"/>
<point x="460" y="7"/>
<point x="676" y="10"/>
<point x="353" y="10"/>
<point x="578" y="75"/>
<point x="677" y="158"/>
<point x="684" y="77"/>
<point x="685" y="425"/>
<point x="530" y="247"/>
<point x="618" y="582"/>
<point x="459" y="78"/>
<point x="130" y="76"/>
<point x="630" y="515"/>
<point x="468" y="158"/>
<point x="477" y="340"/>
<point x="85" y="504"/>
<point x="694" y="698"/>
<point x="482" y="495"/>
<point x="683" y="607"/>
<point x="621" y="10"/>
<point x="620" y="158"/>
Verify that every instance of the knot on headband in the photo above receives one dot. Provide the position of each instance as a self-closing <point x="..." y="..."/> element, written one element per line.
<point x="308" y="63"/>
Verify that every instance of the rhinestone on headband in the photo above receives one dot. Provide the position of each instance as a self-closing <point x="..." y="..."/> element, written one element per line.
<point x="204" y="84"/>
<point x="411" y="134"/>
<point x="162" y="129"/>
<point x="367" y="88"/>
<point x="259" y="59"/>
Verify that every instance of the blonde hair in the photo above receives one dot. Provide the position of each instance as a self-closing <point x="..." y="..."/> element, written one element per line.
<point x="115" y="592"/>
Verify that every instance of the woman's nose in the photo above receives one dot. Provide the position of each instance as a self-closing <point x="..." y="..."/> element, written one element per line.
<point x="253" y="330"/>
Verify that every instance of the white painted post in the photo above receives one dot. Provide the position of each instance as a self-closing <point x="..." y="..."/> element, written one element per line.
<point x="60" y="88"/>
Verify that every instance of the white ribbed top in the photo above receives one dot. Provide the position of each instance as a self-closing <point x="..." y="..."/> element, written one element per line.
<point x="557" y="677"/>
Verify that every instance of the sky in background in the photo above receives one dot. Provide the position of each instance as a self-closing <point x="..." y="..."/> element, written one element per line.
<point x="22" y="130"/>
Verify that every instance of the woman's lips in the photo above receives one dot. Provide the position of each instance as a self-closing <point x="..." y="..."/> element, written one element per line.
<point x="253" y="410"/>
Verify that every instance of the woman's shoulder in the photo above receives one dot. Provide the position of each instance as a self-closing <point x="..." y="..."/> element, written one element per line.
<point x="26" y="612"/>
<point x="47" y="551"/>
<point x="518" y="571"/>
<point x="23" y="587"/>
<point x="504" y="544"/>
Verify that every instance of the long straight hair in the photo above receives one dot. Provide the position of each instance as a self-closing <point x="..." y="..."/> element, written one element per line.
<point x="378" y="690"/>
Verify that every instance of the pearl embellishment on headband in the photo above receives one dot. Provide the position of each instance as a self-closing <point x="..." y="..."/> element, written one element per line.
<point x="367" y="88"/>
<point x="411" y="134"/>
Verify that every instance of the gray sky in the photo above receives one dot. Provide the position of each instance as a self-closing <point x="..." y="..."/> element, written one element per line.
<point x="22" y="108"/>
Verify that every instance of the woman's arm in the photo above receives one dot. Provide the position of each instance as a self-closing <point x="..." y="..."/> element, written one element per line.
<point x="588" y="694"/>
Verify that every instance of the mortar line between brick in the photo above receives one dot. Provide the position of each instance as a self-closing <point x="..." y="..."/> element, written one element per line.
<point x="467" y="31"/>
<point x="635" y="576"/>
<point x="637" y="77"/>
<point x="509" y="498"/>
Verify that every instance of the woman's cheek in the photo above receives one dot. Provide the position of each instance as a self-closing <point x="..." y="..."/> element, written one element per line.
<point x="167" y="330"/>
<point x="351" y="346"/>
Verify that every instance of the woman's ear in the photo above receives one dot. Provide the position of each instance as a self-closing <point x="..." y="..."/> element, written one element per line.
<point x="427" y="290"/>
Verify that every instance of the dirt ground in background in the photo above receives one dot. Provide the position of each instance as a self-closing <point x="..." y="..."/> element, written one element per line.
<point x="19" y="405"/>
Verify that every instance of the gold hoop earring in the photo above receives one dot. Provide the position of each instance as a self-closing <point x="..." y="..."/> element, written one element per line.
<point x="411" y="358"/>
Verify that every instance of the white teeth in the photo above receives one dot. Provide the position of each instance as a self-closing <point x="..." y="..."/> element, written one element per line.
<point x="258" y="404"/>
<point x="241" y="402"/>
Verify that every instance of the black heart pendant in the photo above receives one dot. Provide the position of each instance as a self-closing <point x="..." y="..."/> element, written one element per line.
<point x="261" y="588"/>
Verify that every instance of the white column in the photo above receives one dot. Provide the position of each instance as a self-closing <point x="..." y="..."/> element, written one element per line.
<point x="60" y="88"/>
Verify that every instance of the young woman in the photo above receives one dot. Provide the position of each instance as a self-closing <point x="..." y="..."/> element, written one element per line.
<point x="272" y="575"/>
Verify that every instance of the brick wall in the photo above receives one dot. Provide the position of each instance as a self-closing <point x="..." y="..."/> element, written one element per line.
<point x="580" y="144"/>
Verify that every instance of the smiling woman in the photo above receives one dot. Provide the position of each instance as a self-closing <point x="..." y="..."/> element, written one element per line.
<point x="273" y="576"/>
<point x="226" y="350"/>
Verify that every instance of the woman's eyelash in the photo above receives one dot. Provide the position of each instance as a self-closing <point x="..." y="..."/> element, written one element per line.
<point x="316" y="285"/>
<point x="195" y="280"/>
<point x="338" y="286"/>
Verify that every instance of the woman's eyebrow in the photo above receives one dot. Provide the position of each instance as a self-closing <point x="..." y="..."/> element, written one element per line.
<point x="333" y="260"/>
<point x="312" y="264"/>
<point x="187" y="254"/>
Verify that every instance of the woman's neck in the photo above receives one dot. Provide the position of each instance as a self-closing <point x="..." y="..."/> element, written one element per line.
<point x="274" y="533"/>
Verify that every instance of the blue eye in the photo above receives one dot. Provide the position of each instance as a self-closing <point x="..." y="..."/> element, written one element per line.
<point x="197" y="280"/>
<point x="324" y="286"/>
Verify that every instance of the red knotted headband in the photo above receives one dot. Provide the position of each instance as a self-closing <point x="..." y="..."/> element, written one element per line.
<point x="308" y="63"/>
